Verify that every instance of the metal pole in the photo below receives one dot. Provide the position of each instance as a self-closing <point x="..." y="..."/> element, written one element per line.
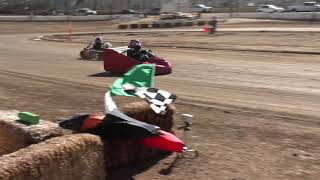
<point x="187" y="135"/>
<point x="111" y="9"/>
<point x="314" y="15"/>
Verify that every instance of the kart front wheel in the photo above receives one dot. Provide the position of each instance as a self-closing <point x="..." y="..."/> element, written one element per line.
<point x="100" y="56"/>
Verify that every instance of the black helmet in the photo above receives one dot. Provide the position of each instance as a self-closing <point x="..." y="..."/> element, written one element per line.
<point x="134" y="43"/>
<point x="98" y="40"/>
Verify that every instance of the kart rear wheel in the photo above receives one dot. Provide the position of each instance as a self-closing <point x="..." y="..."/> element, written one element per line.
<point x="83" y="55"/>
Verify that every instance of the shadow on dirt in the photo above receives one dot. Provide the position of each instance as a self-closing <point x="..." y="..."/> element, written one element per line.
<point x="168" y="170"/>
<point x="92" y="59"/>
<point x="179" y="160"/>
<point x="106" y="74"/>
<point x="127" y="172"/>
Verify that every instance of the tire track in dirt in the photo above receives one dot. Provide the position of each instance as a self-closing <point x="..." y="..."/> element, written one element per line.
<point x="234" y="142"/>
<point x="222" y="47"/>
<point x="52" y="80"/>
<point x="293" y="118"/>
<point x="226" y="46"/>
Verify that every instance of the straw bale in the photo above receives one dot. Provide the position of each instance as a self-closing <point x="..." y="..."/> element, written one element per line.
<point x="142" y="112"/>
<point x="15" y="135"/>
<point x="125" y="151"/>
<point x="67" y="157"/>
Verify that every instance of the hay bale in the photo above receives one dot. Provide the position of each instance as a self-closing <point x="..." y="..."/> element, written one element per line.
<point x="142" y="112"/>
<point x="15" y="135"/>
<point x="80" y="156"/>
<point x="68" y="157"/>
<point x="125" y="151"/>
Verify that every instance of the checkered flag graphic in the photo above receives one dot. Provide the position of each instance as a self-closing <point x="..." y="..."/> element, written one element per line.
<point x="157" y="98"/>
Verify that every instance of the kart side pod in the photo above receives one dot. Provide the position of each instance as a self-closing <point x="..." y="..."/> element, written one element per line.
<point x="116" y="62"/>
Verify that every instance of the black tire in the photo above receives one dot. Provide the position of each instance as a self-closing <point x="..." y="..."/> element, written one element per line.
<point x="92" y="55"/>
<point x="82" y="55"/>
<point x="86" y="56"/>
<point x="100" y="56"/>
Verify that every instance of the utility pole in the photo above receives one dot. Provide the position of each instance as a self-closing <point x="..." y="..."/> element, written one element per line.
<point x="230" y="4"/>
<point x="129" y="3"/>
<point x="66" y="7"/>
<point x="146" y="4"/>
<point x="95" y="5"/>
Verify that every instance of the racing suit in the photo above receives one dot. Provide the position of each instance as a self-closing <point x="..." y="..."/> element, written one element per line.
<point x="138" y="54"/>
<point x="98" y="46"/>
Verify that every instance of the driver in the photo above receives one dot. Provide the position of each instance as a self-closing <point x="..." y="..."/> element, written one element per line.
<point x="136" y="52"/>
<point x="98" y="43"/>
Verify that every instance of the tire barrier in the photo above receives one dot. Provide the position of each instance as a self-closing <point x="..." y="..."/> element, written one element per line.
<point x="123" y="26"/>
<point x="201" y="23"/>
<point x="155" y="26"/>
<point x="210" y="23"/>
<point x="190" y="23"/>
<point x="177" y="24"/>
<point x="166" y="24"/>
<point x="134" y="26"/>
<point x="144" y="25"/>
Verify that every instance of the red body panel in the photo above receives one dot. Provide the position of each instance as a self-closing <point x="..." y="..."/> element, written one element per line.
<point x="166" y="141"/>
<point x="119" y="63"/>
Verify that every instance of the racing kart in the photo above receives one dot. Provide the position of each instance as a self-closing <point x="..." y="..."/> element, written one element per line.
<point x="116" y="61"/>
<point x="89" y="52"/>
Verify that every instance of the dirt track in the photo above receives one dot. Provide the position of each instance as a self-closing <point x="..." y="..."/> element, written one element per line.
<point x="256" y="113"/>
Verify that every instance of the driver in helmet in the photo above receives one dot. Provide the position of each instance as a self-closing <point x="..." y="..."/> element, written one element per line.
<point x="98" y="43"/>
<point x="136" y="52"/>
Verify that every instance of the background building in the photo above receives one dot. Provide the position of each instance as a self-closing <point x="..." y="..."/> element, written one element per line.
<point x="113" y="6"/>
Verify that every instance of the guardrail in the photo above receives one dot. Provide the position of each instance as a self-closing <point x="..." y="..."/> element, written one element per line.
<point x="69" y="18"/>
<point x="166" y="24"/>
<point x="315" y="16"/>
<point x="279" y="16"/>
<point x="206" y="17"/>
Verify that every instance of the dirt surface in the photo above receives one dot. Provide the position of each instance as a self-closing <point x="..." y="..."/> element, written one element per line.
<point x="256" y="113"/>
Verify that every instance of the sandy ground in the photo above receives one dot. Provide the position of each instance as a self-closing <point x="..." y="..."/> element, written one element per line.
<point x="256" y="112"/>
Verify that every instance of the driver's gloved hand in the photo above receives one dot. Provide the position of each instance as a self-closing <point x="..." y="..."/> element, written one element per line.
<point x="145" y="58"/>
